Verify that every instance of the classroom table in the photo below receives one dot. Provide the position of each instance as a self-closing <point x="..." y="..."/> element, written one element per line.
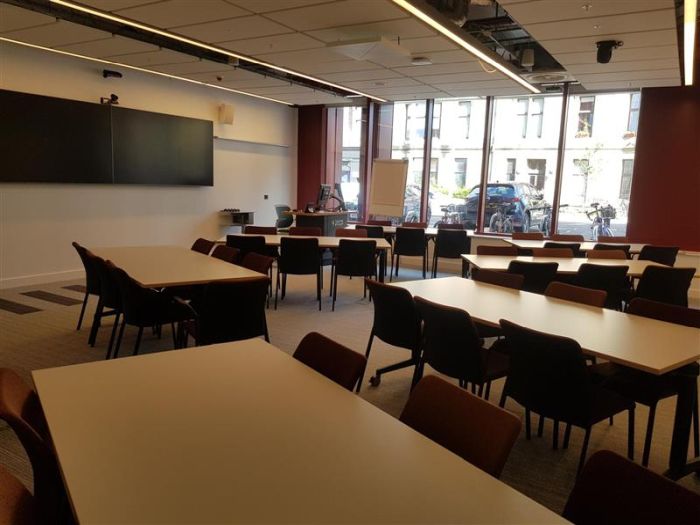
<point x="331" y="243"/>
<point x="529" y="244"/>
<point x="163" y="266"/>
<point x="644" y="344"/>
<point x="243" y="433"/>
<point x="567" y="265"/>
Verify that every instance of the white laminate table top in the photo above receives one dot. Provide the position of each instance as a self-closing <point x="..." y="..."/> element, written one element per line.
<point x="323" y="242"/>
<point x="635" y="247"/>
<point x="243" y="433"/>
<point x="161" y="266"/>
<point x="645" y="344"/>
<point x="567" y="265"/>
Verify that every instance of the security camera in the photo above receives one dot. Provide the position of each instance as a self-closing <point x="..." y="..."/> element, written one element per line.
<point x="110" y="101"/>
<point x="107" y="73"/>
<point x="605" y="49"/>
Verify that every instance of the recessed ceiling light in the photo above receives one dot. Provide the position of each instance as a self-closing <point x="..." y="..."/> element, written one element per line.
<point x="596" y="27"/>
<point x="586" y="7"/>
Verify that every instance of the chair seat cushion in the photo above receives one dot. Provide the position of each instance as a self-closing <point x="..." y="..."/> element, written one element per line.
<point x="496" y="364"/>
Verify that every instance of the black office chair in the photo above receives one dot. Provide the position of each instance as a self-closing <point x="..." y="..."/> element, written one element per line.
<point x="452" y="346"/>
<point x="354" y="259"/>
<point x="92" y="281"/>
<point x="537" y="276"/>
<point x="575" y="247"/>
<point x="396" y="323"/>
<point x="298" y="256"/>
<point x="611" y="279"/>
<point x="409" y="241"/>
<point x="284" y="218"/>
<point x="513" y="281"/>
<point x="373" y="232"/>
<point x="110" y="299"/>
<point x="624" y="247"/>
<point x="247" y="244"/>
<point x="666" y="285"/>
<point x="450" y="243"/>
<point x="548" y="375"/>
<point x="660" y="254"/>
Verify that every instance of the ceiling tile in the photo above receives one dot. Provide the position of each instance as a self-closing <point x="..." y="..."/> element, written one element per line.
<point x="663" y="37"/>
<point x="489" y="91"/>
<point x="356" y="76"/>
<point x="174" y="13"/>
<point x="237" y="79"/>
<point x="460" y="77"/>
<point x="57" y="34"/>
<point x="404" y="90"/>
<point x="115" y="45"/>
<point x="384" y="83"/>
<point x="233" y="29"/>
<point x="13" y="18"/>
<point x="113" y="5"/>
<point x="272" y="44"/>
<point x="152" y="58"/>
<point x="198" y="66"/>
<point x="558" y="10"/>
<point x="392" y="29"/>
<point x="462" y="86"/>
<point x="628" y="75"/>
<point x="439" y="69"/>
<point x="632" y="65"/>
<point x="265" y="6"/>
<point x="281" y="90"/>
<point x="632" y="84"/>
<point x="427" y="44"/>
<point x="340" y="67"/>
<point x="620" y="55"/>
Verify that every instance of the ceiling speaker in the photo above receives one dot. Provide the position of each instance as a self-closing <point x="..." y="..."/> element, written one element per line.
<point x="226" y="114"/>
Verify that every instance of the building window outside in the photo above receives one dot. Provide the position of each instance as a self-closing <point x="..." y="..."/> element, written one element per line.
<point x="433" y="171"/>
<point x="523" y="104"/>
<point x="460" y="172"/>
<point x="626" y="179"/>
<point x="537" y="114"/>
<point x="437" y="117"/>
<point x="416" y="169"/>
<point x="464" y="115"/>
<point x="415" y="121"/>
<point x="585" y="116"/>
<point x="510" y="170"/>
<point x="537" y="168"/>
<point x="633" y="120"/>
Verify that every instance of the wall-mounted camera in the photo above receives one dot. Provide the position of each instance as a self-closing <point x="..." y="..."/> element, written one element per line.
<point x="108" y="73"/>
<point x="112" y="100"/>
<point x="605" y="49"/>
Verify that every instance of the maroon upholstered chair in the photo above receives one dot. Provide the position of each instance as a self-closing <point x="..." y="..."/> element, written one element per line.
<point x="528" y="236"/>
<point x="202" y="246"/>
<point x="306" y="231"/>
<point x="333" y="360"/>
<point x="17" y="505"/>
<point x="226" y="253"/>
<point x="485" y="249"/>
<point x="92" y="279"/>
<point x="349" y="232"/>
<point x="576" y="294"/>
<point x="261" y="230"/>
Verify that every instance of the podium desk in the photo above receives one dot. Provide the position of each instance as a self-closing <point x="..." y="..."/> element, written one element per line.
<point x="328" y="221"/>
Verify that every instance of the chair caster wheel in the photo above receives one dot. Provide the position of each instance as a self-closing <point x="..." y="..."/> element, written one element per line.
<point x="375" y="380"/>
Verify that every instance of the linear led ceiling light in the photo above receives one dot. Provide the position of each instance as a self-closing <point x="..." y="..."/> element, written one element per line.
<point x="202" y="45"/>
<point x="690" y="13"/>
<point x="479" y="54"/>
<point x="135" y="68"/>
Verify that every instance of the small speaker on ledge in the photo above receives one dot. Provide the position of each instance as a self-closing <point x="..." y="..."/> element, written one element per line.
<point x="226" y="114"/>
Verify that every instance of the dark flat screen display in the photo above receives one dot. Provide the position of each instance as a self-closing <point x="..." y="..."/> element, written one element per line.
<point x="46" y="139"/>
<point x="152" y="148"/>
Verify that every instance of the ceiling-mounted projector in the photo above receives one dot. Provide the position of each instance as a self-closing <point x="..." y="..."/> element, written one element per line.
<point x="378" y="49"/>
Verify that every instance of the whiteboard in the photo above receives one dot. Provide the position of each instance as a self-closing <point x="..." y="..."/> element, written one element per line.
<point x="388" y="187"/>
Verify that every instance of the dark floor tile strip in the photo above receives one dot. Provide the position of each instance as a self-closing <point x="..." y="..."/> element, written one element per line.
<point x="75" y="288"/>
<point x="17" y="308"/>
<point x="52" y="297"/>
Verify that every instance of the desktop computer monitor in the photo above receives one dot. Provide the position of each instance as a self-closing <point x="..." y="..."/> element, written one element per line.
<point x="324" y="193"/>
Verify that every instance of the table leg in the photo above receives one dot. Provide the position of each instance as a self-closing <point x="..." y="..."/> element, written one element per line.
<point x="686" y="384"/>
<point x="382" y="265"/>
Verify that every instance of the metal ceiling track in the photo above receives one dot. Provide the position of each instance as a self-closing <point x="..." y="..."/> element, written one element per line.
<point x="115" y="28"/>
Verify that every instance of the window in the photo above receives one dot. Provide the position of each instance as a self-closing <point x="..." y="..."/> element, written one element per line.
<point x="585" y="116"/>
<point x="349" y="176"/>
<point x="582" y="165"/>
<point x="626" y="178"/>
<point x="407" y="142"/>
<point x="464" y="114"/>
<point x="510" y="170"/>
<point x="523" y="104"/>
<point x="416" y="169"/>
<point x="537" y="114"/>
<point x="537" y="168"/>
<point x="415" y="121"/>
<point x="460" y="172"/>
<point x="633" y="120"/>
<point x="437" y="116"/>
<point x="433" y="171"/>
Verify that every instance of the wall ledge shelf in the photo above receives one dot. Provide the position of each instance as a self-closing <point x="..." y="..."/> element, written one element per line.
<point x="252" y="142"/>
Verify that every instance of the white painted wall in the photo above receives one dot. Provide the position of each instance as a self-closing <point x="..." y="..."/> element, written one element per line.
<point x="39" y="221"/>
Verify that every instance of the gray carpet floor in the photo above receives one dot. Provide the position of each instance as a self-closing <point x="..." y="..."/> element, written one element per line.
<point x="48" y="338"/>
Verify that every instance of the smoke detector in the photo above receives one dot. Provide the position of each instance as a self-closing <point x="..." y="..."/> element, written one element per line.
<point x="548" y="77"/>
<point x="421" y="61"/>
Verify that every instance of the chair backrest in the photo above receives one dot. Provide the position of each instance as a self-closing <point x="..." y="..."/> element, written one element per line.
<point x="612" y="489"/>
<point x="612" y="279"/>
<point x="379" y="223"/>
<point x="508" y="280"/>
<point x="247" y="244"/>
<point x="202" y="246"/>
<point x="575" y="247"/>
<point x="612" y="238"/>
<point x="624" y="247"/>
<point x="396" y="319"/>
<point x="284" y="219"/>
<point x="21" y="410"/>
<point x="606" y="254"/>
<point x="423" y="225"/>
<point x="299" y="256"/>
<point x="226" y="253"/>
<point x="373" y="232"/>
<point x="452" y="243"/>
<point x="528" y="236"/>
<point x="670" y="313"/>
<point x="350" y="232"/>
<point x="110" y="293"/>
<point x="231" y="311"/>
<point x="260" y="230"/>
<point x="660" y="254"/>
<point x="576" y="294"/>
<point x="485" y="249"/>
<point x="451" y="344"/>
<point x="17" y="505"/>
<point x="140" y="306"/>
<point x="356" y="258"/>
<point x="409" y="241"/>
<point x="92" y="279"/>
<point x="537" y="275"/>
<point x="472" y="428"/>
<point x="333" y="360"/>
<point x="305" y="231"/>
<point x="552" y="252"/>
<point x="567" y="237"/>
<point x="447" y="226"/>
<point x="547" y="374"/>
<point x="258" y="263"/>
<point x="666" y="285"/>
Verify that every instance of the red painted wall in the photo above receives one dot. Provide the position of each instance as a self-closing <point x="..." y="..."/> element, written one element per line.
<point x="311" y="153"/>
<point x="665" y="197"/>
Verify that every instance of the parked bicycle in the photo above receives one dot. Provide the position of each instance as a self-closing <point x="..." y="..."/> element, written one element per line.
<point x="601" y="216"/>
<point x="502" y="220"/>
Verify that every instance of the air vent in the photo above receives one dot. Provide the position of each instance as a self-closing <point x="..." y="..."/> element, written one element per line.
<point x="548" y="77"/>
<point x="378" y="49"/>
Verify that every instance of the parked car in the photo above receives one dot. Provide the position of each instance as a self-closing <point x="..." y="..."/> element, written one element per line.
<point x="525" y="205"/>
<point x="411" y="204"/>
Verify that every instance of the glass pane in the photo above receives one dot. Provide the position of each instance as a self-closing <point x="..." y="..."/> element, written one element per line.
<point x="408" y="142"/>
<point x="350" y="160"/>
<point x="523" y="164"/>
<point x="455" y="164"/>
<point x="597" y="174"/>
